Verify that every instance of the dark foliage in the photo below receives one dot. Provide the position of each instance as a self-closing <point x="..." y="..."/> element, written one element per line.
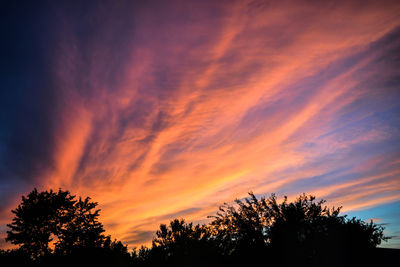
<point x="39" y="218"/>
<point x="182" y="244"/>
<point x="14" y="257"/>
<point x="241" y="230"/>
<point x="82" y="229"/>
<point x="53" y="228"/>
<point x="251" y="231"/>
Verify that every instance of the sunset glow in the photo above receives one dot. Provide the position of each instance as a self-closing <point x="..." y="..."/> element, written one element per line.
<point x="166" y="109"/>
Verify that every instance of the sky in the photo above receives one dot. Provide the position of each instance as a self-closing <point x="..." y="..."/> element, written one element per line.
<point x="167" y="109"/>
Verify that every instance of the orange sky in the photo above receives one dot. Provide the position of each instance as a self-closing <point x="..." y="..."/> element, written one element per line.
<point x="180" y="106"/>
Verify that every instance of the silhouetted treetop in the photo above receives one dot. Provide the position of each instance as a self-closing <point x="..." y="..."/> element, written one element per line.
<point x="182" y="244"/>
<point x="178" y="231"/>
<point x="58" y="218"/>
<point x="39" y="218"/>
<point x="56" y="228"/>
<point x="303" y="231"/>
<point x="82" y="228"/>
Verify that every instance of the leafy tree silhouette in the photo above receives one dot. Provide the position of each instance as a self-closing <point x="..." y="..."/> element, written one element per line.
<point x="301" y="232"/>
<point x="71" y="224"/>
<point x="38" y="218"/>
<point x="82" y="229"/>
<point x="306" y="231"/>
<point x="240" y="230"/>
<point x="182" y="244"/>
<point x="249" y="231"/>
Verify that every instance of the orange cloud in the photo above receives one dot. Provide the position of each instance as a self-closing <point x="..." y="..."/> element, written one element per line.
<point x="260" y="97"/>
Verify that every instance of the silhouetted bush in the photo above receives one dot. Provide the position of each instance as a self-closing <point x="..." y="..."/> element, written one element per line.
<point x="249" y="231"/>
<point x="182" y="244"/>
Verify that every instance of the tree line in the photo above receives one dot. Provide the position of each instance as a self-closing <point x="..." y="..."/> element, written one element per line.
<point x="55" y="228"/>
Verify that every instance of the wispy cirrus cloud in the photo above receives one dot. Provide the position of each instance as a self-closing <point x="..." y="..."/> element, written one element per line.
<point x="168" y="109"/>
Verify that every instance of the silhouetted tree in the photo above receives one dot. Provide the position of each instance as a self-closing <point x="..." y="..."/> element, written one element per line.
<point x="142" y="257"/>
<point x="39" y="218"/>
<point x="251" y="231"/>
<point x="240" y="230"/>
<point x="183" y="244"/>
<point x="56" y="219"/>
<point x="303" y="231"/>
<point x="82" y="229"/>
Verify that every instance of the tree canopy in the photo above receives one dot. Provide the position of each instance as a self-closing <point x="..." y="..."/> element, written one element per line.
<point x="39" y="218"/>
<point x="303" y="231"/>
<point x="58" y="228"/>
<point x="57" y="223"/>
